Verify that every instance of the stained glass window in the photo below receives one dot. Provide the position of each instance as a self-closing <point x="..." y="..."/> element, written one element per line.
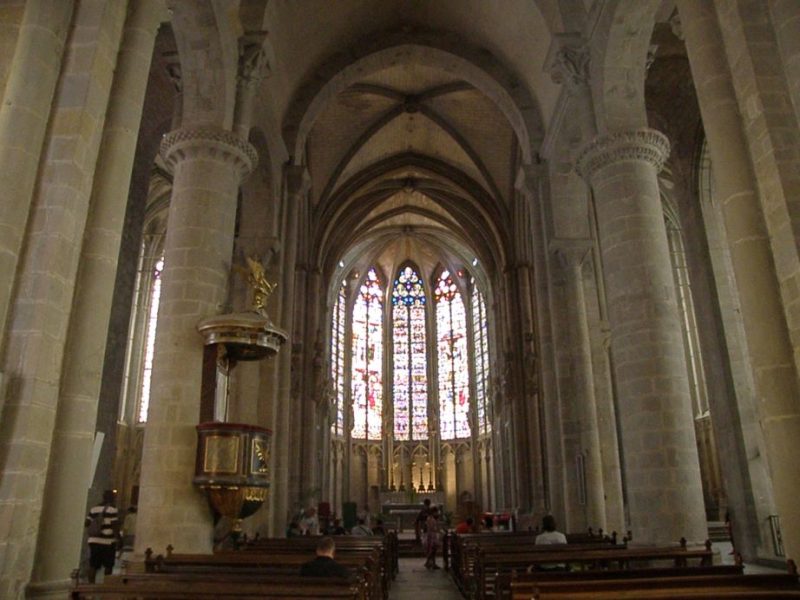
<point x="367" y="359"/>
<point x="410" y="389"/>
<point x="451" y="341"/>
<point x="337" y="357"/>
<point x="150" y="341"/>
<point x="480" y="330"/>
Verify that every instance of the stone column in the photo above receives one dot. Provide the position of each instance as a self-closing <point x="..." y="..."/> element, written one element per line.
<point x="296" y="186"/>
<point x="663" y="474"/>
<point x="59" y="549"/>
<point x="208" y="165"/>
<point x="572" y="255"/>
<point x="767" y="335"/>
<point x="24" y="113"/>
<point x="38" y="320"/>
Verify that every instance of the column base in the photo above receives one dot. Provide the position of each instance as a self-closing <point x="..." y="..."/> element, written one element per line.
<point x="50" y="590"/>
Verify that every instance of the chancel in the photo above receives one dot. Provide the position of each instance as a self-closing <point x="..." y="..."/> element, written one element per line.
<point x="520" y="258"/>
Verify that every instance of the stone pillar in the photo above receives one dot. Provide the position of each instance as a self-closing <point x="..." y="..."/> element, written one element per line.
<point x="767" y="335"/>
<point x="663" y="474"/>
<point x="297" y="180"/>
<point x="59" y="548"/>
<point x="208" y="165"/>
<point x="24" y="113"/>
<point x="43" y="300"/>
<point x="608" y="430"/>
<point x="572" y="255"/>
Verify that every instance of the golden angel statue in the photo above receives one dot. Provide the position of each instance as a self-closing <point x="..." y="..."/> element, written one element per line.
<point x="261" y="287"/>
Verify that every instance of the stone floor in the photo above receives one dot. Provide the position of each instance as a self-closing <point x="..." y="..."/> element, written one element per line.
<point x="415" y="582"/>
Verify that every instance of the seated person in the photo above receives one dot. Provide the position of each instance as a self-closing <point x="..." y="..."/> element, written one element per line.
<point x="550" y="535"/>
<point x="465" y="526"/>
<point x="361" y="529"/>
<point x="293" y="530"/>
<point x="324" y="564"/>
<point x="336" y="528"/>
<point x="378" y="529"/>
<point x="309" y="524"/>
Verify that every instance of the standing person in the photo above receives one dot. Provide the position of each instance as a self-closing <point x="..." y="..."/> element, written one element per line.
<point x="103" y="527"/>
<point x="432" y="538"/>
<point x="422" y="519"/>
<point x="324" y="565"/>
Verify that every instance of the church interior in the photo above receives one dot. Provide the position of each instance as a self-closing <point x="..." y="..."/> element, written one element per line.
<point x="522" y="258"/>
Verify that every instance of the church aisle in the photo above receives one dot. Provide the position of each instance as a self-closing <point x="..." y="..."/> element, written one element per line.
<point x="415" y="582"/>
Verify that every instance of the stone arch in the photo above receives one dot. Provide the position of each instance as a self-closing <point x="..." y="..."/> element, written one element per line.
<point x="433" y="49"/>
<point x="207" y="33"/>
<point x="618" y="64"/>
<point x="487" y="222"/>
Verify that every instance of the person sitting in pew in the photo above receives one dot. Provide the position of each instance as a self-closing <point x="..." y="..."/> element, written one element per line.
<point x="324" y="565"/>
<point x="336" y="528"/>
<point x="361" y="528"/>
<point x="550" y="535"/>
<point x="467" y="526"/>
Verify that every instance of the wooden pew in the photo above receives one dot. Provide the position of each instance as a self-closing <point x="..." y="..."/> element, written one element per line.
<point x="462" y="549"/>
<point x="217" y="586"/>
<point x="387" y="546"/>
<point x="362" y="562"/>
<point x="490" y="564"/>
<point x="672" y="594"/>
<point x="472" y="552"/>
<point x="503" y="581"/>
<point x="637" y="586"/>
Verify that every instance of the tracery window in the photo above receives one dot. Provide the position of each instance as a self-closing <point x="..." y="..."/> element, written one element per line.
<point x="480" y="330"/>
<point x="150" y="342"/>
<point x="337" y="357"/>
<point x="453" y="368"/>
<point x="367" y="359"/>
<point x="410" y="385"/>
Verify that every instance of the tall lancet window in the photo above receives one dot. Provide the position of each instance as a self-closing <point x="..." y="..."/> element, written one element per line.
<point x="480" y="328"/>
<point x="410" y="390"/>
<point x="367" y="368"/>
<point x="451" y="341"/>
<point x="337" y="357"/>
<point x="150" y="341"/>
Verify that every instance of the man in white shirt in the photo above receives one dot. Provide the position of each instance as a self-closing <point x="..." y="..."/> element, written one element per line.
<point x="550" y="535"/>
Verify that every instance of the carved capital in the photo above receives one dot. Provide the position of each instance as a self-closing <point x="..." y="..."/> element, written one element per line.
<point x="217" y="144"/>
<point x="254" y="63"/>
<point x="568" y="61"/>
<point x="571" y="253"/>
<point x="639" y="145"/>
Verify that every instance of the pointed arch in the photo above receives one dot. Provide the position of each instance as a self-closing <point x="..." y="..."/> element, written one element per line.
<point x="366" y="378"/>
<point x="452" y="363"/>
<point x="410" y="381"/>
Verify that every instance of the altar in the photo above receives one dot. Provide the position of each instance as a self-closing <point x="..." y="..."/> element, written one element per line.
<point x="400" y="509"/>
